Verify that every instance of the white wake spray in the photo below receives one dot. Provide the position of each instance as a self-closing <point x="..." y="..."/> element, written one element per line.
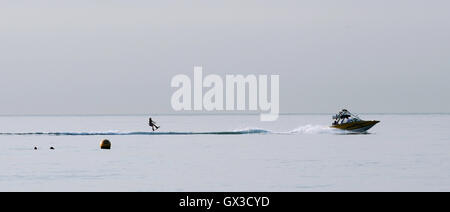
<point x="306" y="129"/>
<point x="314" y="129"/>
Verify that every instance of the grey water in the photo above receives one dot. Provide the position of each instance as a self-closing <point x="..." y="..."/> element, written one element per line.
<point x="299" y="152"/>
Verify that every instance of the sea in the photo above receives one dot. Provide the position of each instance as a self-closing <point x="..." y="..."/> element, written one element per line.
<point x="223" y="152"/>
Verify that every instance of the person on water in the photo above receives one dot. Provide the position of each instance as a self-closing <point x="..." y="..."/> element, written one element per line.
<point x="152" y="124"/>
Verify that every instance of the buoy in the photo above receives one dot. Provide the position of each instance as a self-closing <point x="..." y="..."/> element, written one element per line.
<point x="106" y="144"/>
<point x="35" y="148"/>
<point x="52" y="148"/>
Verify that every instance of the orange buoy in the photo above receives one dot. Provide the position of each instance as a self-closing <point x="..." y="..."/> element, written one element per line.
<point x="105" y="144"/>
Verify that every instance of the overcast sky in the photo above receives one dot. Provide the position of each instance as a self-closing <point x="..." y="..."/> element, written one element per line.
<point x="118" y="57"/>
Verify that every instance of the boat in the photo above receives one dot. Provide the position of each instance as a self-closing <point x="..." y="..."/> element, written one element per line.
<point x="347" y="121"/>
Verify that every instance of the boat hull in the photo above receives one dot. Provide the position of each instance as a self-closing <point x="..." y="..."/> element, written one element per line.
<point x="359" y="126"/>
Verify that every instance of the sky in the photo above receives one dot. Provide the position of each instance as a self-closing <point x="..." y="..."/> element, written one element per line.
<point x="118" y="57"/>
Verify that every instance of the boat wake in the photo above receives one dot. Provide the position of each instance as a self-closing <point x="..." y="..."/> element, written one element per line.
<point x="306" y="129"/>
<point x="315" y="129"/>
<point x="236" y="132"/>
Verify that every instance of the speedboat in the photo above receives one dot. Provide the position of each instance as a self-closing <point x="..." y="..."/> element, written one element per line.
<point x="347" y="121"/>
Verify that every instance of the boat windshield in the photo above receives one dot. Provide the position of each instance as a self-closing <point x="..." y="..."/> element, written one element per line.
<point x="345" y="117"/>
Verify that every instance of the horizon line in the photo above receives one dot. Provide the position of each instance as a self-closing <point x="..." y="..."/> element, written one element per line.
<point x="219" y="114"/>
